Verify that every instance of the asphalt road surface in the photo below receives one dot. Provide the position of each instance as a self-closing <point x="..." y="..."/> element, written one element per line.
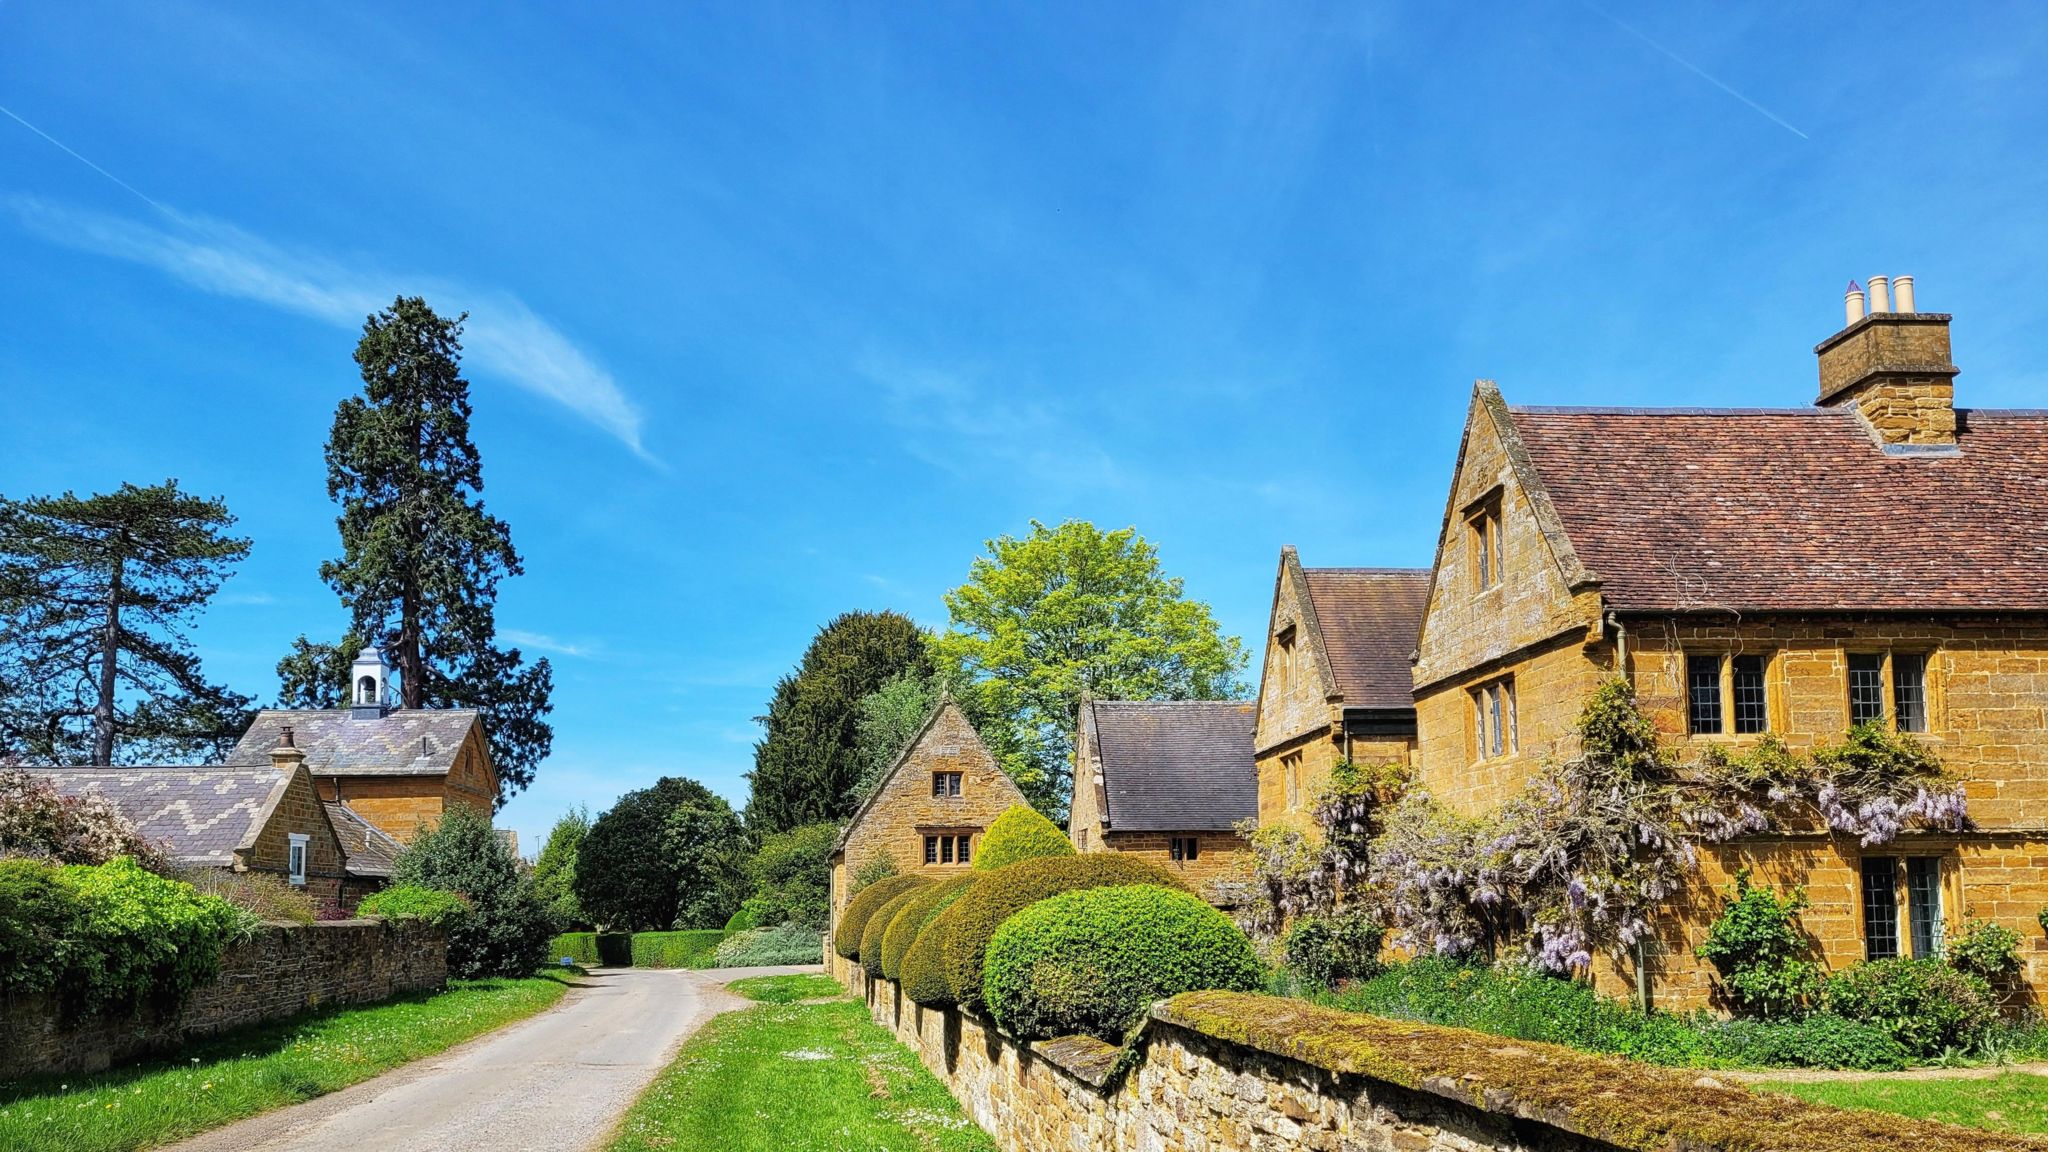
<point x="556" y="1082"/>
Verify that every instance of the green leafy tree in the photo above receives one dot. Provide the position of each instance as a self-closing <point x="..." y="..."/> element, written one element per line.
<point x="888" y="717"/>
<point x="554" y="873"/>
<point x="1069" y="612"/>
<point x="628" y="872"/>
<point x="508" y="930"/>
<point x="792" y="875"/>
<point x="807" y="766"/>
<point x="421" y="559"/>
<point x="707" y="846"/>
<point x="98" y="595"/>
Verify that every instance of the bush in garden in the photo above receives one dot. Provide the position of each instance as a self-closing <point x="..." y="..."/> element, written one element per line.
<point x="1757" y="946"/>
<point x="1020" y="833"/>
<point x="911" y="919"/>
<point x="262" y="895"/>
<point x="141" y="938"/>
<point x="782" y="944"/>
<point x="853" y="921"/>
<point x="508" y="934"/>
<point x="754" y="912"/>
<point x="792" y="877"/>
<point x="1095" y="960"/>
<point x="36" y="820"/>
<point x="39" y="914"/>
<point x="1929" y="1007"/>
<point x="412" y="902"/>
<point x="973" y="919"/>
<point x="1987" y="948"/>
<point x="922" y="974"/>
<point x="876" y="868"/>
<point x="871" y="936"/>
<point x="594" y="949"/>
<point x="1818" y="1040"/>
<point x="1327" y="949"/>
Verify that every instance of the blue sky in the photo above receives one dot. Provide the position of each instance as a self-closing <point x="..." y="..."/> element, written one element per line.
<point x="781" y="309"/>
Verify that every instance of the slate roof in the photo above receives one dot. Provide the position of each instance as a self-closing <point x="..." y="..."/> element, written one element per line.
<point x="1369" y="619"/>
<point x="415" y="742"/>
<point x="365" y="847"/>
<point x="1796" y="509"/>
<point x="202" y="813"/>
<point x="1176" y="765"/>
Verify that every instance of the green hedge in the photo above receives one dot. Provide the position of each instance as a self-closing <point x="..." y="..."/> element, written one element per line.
<point x="871" y="936"/>
<point x="594" y="949"/>
<point x="854" y="920"/>
<point x="411" y="902"/>
<point x="922" y="974"/>
<point x="694" y="948"/>
<point x="972" y="921"/>
<point x="1020" y="833"/>
<point x="911" y="919"/>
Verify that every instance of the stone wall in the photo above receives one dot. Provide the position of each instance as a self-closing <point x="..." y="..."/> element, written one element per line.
<point x="280" y="972"/>
<point x="1231" y="1072"/>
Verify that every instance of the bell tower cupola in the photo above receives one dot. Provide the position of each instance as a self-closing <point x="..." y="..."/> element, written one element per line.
<point x="369" y="691"/>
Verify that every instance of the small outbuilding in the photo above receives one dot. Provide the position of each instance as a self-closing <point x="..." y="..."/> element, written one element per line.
<point x="1170" y="780"/>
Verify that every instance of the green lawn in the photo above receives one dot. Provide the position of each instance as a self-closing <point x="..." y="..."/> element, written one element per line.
<point x="798" y="1078"/>
<point x="787" y="989"/>
<point x="229" y="1077"/>
<point x="2008" y="1102"/>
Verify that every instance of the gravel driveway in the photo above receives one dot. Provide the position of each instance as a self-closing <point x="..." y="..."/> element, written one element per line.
<point x="557" y="1082"/>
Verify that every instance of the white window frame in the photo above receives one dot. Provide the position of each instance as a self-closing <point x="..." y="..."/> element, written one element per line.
<point x="296" y="854"/>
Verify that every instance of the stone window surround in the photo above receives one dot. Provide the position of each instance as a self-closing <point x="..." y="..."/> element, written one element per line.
<point x="947" y="785"/>
<point x="935" y="843"/>
<point x="1290" y="776"/>
<point x="1489" y="696"/>
<point x="1946" y="897"/>
<point x="1888" y="684"/>
<point x="1483" y="539"/>
<point x="300" y="846"/>
<point x="1774" y="690"/>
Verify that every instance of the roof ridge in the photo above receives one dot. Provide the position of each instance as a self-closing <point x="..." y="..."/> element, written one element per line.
<point x="1358" y="571"/>
<point x="1630" y="410"/>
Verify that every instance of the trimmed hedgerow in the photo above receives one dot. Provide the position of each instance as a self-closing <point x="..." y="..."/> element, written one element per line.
<point x="922" y="975"/>
<point x="689" y="948"/>
<point x="1094" y="961"/>
<point x="594" y="949"/>
<point x="854" y="920"/>
<point x="1020" y="833"/>
<point x="973" y="919"/>
<point x="1926" y="1005"/>
<point x="910" y="921"/>
<point x="871" y="936"/>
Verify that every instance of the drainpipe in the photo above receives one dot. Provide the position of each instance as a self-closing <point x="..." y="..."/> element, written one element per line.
<point x="1620" y="644"/>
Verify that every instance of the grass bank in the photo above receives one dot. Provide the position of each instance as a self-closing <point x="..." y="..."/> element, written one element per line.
<point x="227" y="1078"/>
<point x="787" y="989"/>
<point x="797" y="1078"/>
<point x="2008" y="1102"/>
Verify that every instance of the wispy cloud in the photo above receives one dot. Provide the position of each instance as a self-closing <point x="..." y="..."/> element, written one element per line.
<point x="1698" y="71"/>
<point x="954" y="424"/>
<point x="245" y="598"/>
<point x="548" y="644"/>
<point x="505" y="339"/>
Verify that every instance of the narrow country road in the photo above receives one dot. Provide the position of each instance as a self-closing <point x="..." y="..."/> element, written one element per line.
<point x="557" y="1082"/>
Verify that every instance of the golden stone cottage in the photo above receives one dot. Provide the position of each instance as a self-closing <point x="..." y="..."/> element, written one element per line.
<point x="1169" y="780"/>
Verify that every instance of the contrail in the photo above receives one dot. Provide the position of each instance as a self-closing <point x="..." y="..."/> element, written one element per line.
<point x="1696" y="70"/>
<point x="82" y="160"/>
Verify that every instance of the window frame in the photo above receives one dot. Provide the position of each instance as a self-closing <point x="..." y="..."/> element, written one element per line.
<point x="1495" y="724"/>
<point x="1886" y="674"/>
<point x="947" y="785"/>
<point x="1290" y="779"/>
<point x="1486" y="541"/>
<point x="1913" y="904"/>
<point x="1732" y="681"/>
<point x="297" y="855"/>
<point x="1184" y="849"/>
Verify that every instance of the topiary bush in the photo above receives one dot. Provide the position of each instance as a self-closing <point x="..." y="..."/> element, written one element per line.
<point x="1761" y="953"/>
<point x="1020" y="833"/>
<point x="922" y="975"/>
<point x="1927" y="1006"/>
<point x="871" y="936"/>
<point x="853" y="921"/>
<point x="412" y="902"/>
<point x="973" y="919"/>
<point x="1328" y="949"/>
<point x="141" y="938"/>
<point x="911" y="918"/>
<point x="782" y="944"/>
<point x="39" y="914"/>
<point x="1094" y="961"/>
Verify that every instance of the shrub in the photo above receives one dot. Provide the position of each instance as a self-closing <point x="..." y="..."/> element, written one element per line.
<point x="1095" y="960"/>
<point x="509" y="932"/>
<point x="781" y="944"/>
<point x="922" y="975"/>
<point x="691" y="948"/>
<point x="753" y="912"/>
<point x="875" y="868"/>
<point x="871" y="936"/>
<point x="1325" y="950"/>
<point x="411" y="902"/>
<point x="39" y="914"/>
<point x="1020" y="833"/>
<point x="1819" y="1040"/>
<point x="594" y="949"/>
<point x="1987" y="948"/>
<point x="1929" y="1007"/>
<point x="1758" y="948"/>
<point x="262" y="895"/>
<point x="792" y="876"/>
<point x="141" y="938"/>
<point x="36" y="820"/>
<point x="973" y="919"/>
<point x="853" y="920"/>
<point x="911" y="919"/>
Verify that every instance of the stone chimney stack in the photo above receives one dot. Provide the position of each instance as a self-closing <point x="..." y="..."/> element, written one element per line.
<point x="287" y="756"/>
<point x="1893" y="369"/>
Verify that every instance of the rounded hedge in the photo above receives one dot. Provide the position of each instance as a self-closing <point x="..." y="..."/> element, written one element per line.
<point x="871" y="936"/>
<point x="1020" y="833"/>
<point x="911" y="919"/>
<point x="854" y="920"/>
<point x="922" y="974"/>
<point x="1095" y="961"/>
<point x="973" y="919"/>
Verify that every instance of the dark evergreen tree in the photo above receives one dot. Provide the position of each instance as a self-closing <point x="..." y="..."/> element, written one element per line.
<point x="808" y="765"/>
<point x="708" y="848"/>
<point x="421" y="559"/>
<point x="97" y="596"/>
<point x="630" y="870"/>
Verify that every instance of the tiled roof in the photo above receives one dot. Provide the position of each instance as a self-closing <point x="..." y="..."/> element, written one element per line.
<point x="417" y="742"/>
<point x="1369" y="619"/>
<point x="366" y="849"/>
<point x="203" y="813"/>
<point x="1796" y="509"/>
<point x="1178" y="765"/>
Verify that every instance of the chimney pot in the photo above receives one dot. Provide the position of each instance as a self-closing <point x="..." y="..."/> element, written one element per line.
<point x="1902" y="292"/>
<point x="1852" y="302"/>
<point x="1880" y="294"/>
<point x="284" y="737"/>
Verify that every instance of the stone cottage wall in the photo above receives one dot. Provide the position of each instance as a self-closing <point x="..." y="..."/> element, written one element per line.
<point x="1227" y="1072"/>
<point x="282" y="971"/>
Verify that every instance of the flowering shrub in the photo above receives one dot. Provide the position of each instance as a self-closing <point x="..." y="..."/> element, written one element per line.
<point x="1300" y="875"/>
<point x="1760" y="952"/>
<point x="1875" y="782"/>
<point x="35" y="820"/>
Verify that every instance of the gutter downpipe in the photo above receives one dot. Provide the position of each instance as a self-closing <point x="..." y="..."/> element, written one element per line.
<point x="1642" y="950"/>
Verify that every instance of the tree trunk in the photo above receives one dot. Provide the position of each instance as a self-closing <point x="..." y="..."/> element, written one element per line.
<point x="411" y="678"/>
<point x="110" y="657"/>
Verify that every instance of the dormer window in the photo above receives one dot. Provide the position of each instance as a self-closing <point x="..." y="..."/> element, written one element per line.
<point x="1482" y="529"/>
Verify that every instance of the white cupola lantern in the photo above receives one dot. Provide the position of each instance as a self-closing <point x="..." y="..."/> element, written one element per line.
<point x="369" y="685"/>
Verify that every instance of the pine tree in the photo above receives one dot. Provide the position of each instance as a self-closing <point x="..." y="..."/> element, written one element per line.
<point x="97" y="596"/>
<point x="421" y="559"/>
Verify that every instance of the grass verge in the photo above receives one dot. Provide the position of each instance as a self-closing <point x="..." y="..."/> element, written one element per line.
<point x="2008" y="1102"/>
<point x="226" y="1078"/>
<point x="787" y="989"/>
<point x="733" y="1084"/>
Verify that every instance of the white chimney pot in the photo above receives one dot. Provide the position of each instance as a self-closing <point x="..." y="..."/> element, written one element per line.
<point x="1852" y="303"/>
<point x="1880" y="294"/>
<point x="1902" y="291"/>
